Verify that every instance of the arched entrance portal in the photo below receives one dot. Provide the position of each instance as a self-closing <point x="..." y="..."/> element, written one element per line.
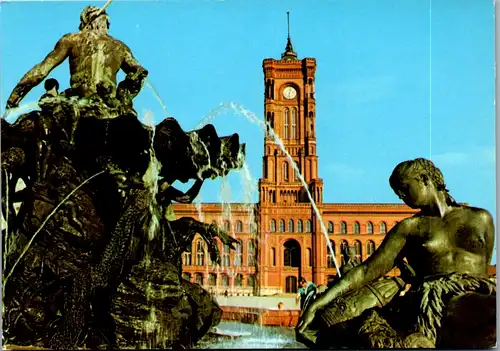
<point x="292" y="262"/>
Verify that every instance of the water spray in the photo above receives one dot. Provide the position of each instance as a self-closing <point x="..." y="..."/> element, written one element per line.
<point x="266" y="126"/>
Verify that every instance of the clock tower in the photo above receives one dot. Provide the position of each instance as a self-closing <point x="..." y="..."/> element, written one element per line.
<point x="289" y="225"/>
<point x="289" y="240"/>
<point x="290" y="110"/>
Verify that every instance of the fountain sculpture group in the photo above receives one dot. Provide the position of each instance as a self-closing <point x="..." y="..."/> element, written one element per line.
<point x="92" y="257"/>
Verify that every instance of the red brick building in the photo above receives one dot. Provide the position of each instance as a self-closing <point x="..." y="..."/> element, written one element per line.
<point x="281" y="237"/>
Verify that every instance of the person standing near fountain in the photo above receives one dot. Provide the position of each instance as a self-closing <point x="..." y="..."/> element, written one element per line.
<point x="306" y="294"/>
<point x="95" y="58"/>
<point x="449" y="246"/>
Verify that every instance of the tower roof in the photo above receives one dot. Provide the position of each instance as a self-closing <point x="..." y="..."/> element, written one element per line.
<point x="289" y="54"/>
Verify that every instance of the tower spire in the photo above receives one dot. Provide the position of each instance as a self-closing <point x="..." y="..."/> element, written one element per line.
<point x="289" y="54"/>
<point x="288" y="23"/>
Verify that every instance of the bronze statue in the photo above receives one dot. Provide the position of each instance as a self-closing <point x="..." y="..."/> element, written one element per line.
<point x="95" y="58"/>
<point x="93" y="246"/>
<point x="449" y="247"/>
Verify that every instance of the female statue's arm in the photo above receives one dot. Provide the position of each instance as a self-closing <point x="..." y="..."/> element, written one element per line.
<point x="377" y="265"/>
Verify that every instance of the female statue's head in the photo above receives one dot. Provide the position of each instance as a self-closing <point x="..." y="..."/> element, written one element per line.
<point x="94" y="19"/>
<point x="416" y="182"/>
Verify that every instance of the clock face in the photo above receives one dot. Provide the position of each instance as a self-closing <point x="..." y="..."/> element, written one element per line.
<point x="289" y="93"/>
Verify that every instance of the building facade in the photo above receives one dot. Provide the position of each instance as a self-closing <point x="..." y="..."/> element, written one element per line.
<point x="286" y="234"/>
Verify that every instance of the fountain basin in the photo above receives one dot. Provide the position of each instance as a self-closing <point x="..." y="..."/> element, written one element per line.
<point x="261" y="316"/>
<point x="236" y="335"/>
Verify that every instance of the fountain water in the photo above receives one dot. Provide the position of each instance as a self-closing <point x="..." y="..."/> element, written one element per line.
<point x="210" y="116"/>
<point x="261" y="336"/>
<point x="157" y="96"/>
<point x="152" y="328"/>
<point x="266" y="127"/>
<point x="12" y="114"/>
<point x="249" y="189"/>
<point x="225" y="197"/>
<point x="151" y="178"/>
<point x="144" y="213"/>
<point x="250" y="336"/>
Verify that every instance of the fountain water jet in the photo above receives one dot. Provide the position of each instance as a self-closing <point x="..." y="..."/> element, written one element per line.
<point x="157" y="96"/>
<point x="151" y="178"/>
<point x="266" y="127"/>
<point x="249" y="189"/>
<point x="225" y="197"/>
<point x="199" y="208"/>
<point x="18" y="111"/>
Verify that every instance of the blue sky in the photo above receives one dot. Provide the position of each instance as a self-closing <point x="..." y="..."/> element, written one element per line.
<point x="395" y="79"/>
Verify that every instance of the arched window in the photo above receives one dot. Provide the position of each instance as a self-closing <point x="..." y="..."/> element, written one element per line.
<point x="200" y="253"/>
<point x="294" y="123"/>
<point x="186" y="276"/>
<point x="292" y="256"/>
<point x="186" y="259"/>
<point x="308" y="226"/>
<point x="238" y="252"/>
<point x="239" y="227"/>
<point x="358" y="251"/>
<point x="272" y="226"/>
<point x="356" y="227"/>
<point x="370" y="248"/>
<point x="299" y="226"/>
<point x="238" y="280"/>
<point x="369" y="228"/>
<point x="251" y="253"/>
<point x="285" y="171"/>
<point x="227" y="226"/>
<point x="282" y="226"/>
<point x="225" y="256"/>
<point x="252" y="227"/>
<point x="343" y="246"/>
<point x="383" y="228"/>
<point x="329" y="256"/>
<point x="290" y="226"/>
<point x="212" y="279"/>
<point x="287" y="122"/>
<point x="225" y="280"/>
<point x="273" y="256"/>
<point x="330" y="227"/>
<point x="309" y="257"/>
<point x="343" y="227"/>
